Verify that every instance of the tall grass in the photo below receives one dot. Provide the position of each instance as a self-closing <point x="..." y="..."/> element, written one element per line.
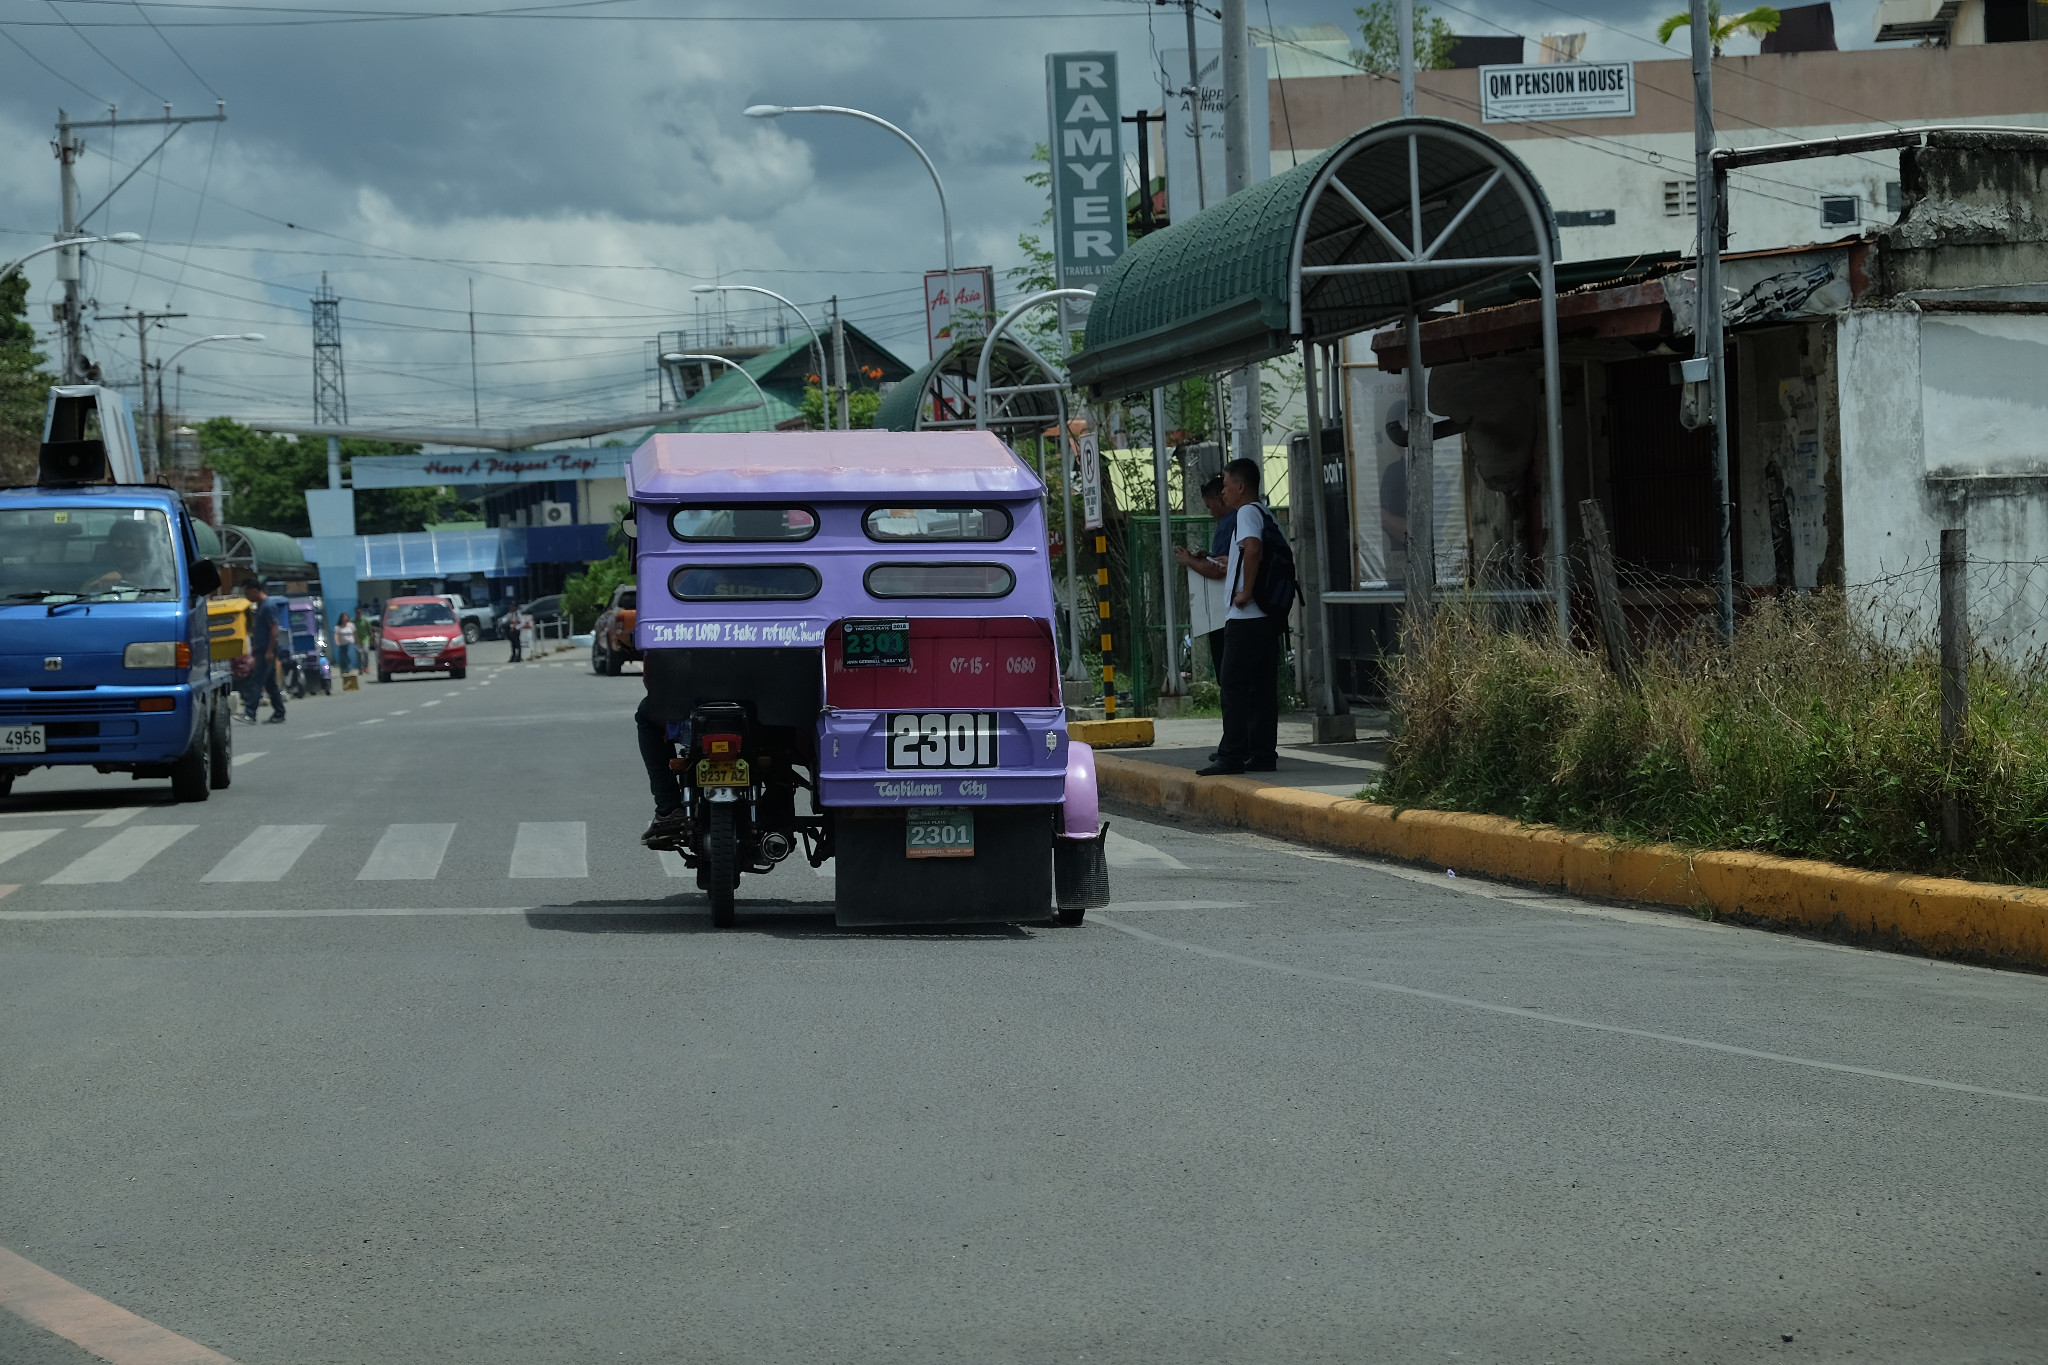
<point x="1809" y="736"/>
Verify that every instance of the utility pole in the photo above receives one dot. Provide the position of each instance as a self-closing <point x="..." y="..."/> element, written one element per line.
<point x="839" y="364"/>
<point x="1240" y="143"/>
<point x="330" y="390"/>
<point x="1707" y="325"/>
<point x="68" y="147"/>
<point x="1420" y="558"/>
<point x="143" y="322"/>
<point x="1148" y="221"/>
<point x="1194" y="94"/>
<point x="476" y="406"/>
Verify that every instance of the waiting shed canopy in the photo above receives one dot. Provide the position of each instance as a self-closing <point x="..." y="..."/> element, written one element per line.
<point x="1409" y="213"/>
<point x="942" y="394"/>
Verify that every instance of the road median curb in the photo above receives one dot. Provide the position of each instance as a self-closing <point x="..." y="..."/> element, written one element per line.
<point x="1941" y="916"/>
<point x="1132" y="733"/>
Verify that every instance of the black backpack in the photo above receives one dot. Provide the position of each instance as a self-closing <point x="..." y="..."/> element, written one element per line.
<point x="1274" y="589"/>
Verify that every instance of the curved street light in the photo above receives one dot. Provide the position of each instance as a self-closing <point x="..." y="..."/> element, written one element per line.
<point x="817" y="343"/>
<point x="12" y="266"/>
<point x="945" y="213"/>
<point x="685" y="358"/>
<point x="171" y="360"/>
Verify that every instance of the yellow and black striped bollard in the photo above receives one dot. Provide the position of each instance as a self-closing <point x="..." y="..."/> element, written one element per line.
<point x="1102" y="611"/>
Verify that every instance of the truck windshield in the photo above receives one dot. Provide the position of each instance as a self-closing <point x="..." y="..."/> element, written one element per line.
<point x="58" y="553"/>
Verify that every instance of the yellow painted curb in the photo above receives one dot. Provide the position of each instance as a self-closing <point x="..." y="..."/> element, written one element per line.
<point x="1132" y="733"/>
<point x="1943" y="916"/>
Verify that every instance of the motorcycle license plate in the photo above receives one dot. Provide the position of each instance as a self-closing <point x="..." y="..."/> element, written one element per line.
<point x="938" y="832"/>
<point x="711" y="773"/>
<point x="21" y="739"/>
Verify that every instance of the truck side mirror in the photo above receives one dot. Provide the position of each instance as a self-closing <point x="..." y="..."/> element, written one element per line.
<point x="205" y="577"/>
<point x="629" y="525"/>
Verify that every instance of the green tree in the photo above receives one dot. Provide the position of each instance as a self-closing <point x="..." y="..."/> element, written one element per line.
<point x="24" y="385"/>
<point x="1753" y="23"/>
<point x="586" y="594"/>
<point x="267" y="477"/>
<point x="861" y="406"/>
<point x="1378" y="24"/>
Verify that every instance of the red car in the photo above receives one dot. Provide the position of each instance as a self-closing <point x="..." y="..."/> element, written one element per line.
<point x="420" y="635"/>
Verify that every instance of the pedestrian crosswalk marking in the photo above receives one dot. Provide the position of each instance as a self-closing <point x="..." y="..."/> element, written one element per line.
<point x="408" y="853"/>
<point x="107" y="819"/>
<point x="14" y="841"/>
<point x="122" y="856"/>
<point x="550" y="848"/>
<point x="266" y="855"/>
<point x="1123" y="851"/>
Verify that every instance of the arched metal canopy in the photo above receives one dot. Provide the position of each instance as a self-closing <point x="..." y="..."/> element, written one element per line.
<point x="1406" y="214"/>
<point x="941" y="395"/>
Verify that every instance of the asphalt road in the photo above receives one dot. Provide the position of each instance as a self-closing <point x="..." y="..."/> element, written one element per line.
<point x="1274" y="1106"/>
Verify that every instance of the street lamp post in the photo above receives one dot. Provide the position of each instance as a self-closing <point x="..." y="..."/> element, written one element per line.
<point x="817" y="343"/>
<point x="945" y="213"/>
<point x="172" y="360"/>
<point x="684" y="358"/>
<point x="8" y="270"/>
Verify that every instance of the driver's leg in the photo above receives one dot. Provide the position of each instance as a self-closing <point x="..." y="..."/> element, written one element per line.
<point x="663" y="782"/>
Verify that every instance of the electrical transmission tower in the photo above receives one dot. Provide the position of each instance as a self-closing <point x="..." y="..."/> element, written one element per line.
<point x="330" y="395"/>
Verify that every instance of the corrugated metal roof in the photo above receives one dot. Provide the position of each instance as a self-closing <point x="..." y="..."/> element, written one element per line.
<point x="1214" y="292"/>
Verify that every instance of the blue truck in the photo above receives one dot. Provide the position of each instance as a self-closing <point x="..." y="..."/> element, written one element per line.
<point x="105" y="656"/>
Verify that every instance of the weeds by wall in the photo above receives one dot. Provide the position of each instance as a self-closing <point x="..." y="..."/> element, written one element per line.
<point x="1814" y="735"/>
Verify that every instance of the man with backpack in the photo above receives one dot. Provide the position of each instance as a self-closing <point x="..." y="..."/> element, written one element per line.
<point x="1260" y="578"/>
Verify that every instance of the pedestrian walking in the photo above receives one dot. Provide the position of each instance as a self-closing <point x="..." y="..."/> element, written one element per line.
<point x="1260" y="576"/>
<point x="526" y="637"/>
<point x="515" y="631"/>
<point x="345" y="642"/>
<point x="267" y="628"/>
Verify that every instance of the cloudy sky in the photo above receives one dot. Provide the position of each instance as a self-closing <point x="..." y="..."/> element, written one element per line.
<point x="580" y="165"/>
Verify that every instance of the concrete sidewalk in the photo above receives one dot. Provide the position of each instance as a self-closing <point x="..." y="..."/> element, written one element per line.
<point x="1331" y="769"/>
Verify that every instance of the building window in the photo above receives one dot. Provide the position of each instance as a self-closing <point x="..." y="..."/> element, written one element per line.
<point x="1585" y="218"/>
<point x="1681" y="199"/>
<point x="1838" y="210"/>
<point x="1894" y="197"/>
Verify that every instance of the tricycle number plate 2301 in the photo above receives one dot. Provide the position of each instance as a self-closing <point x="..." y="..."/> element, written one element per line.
<point x="938" y="832"/>
<point x="21" y="739"/>
<point x="712" y="773"/>
<point x="875" y="644"/>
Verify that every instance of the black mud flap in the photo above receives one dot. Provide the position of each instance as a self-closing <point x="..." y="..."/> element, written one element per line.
<point x="1080" y="871"/>
<point x="1007" y="881"/>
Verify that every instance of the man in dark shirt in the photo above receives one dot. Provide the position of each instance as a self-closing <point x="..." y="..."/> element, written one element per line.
<point x="267" y="629"/>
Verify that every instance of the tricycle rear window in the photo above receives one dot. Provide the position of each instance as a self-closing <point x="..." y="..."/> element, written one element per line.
<point x="743" y="522"/>
<point x="904" y="524"/>
<point x="755" y="582"/>
<point x="940" y="580"/>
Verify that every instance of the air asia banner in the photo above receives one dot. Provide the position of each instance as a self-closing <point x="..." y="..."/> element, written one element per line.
<point x="526" y="466"/>
<point x="1520" y="94"/>
<point x="1087" y="168"/>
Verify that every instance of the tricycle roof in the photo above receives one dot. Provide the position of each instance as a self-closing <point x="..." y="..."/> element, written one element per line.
<point x="826" y="464"/>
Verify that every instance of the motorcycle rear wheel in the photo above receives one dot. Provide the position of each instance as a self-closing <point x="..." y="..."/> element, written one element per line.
<point x="722" y="863"/>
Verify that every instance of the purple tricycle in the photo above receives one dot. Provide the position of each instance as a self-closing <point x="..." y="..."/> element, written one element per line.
<point x="865" y="618"/>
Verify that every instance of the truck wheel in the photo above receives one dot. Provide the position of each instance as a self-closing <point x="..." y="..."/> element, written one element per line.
<point x="597" y="660"/>
<point x="6" y="782"/>
<point x="192" y="774"/>
<point x="471" y="631"/>
<point x="383" y="675"/>
<point x="223" y="756"/>
<point x="613" y="664"/>
<point x="722" y="848"/>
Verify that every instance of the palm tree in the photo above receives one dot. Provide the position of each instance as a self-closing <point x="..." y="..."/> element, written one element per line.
<point x="1755" y="23"/>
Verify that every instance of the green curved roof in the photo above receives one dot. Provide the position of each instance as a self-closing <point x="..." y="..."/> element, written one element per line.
<point x="265" y="552"/>
<point x="1211" y="293"/>
<point x="1009" y="364"/>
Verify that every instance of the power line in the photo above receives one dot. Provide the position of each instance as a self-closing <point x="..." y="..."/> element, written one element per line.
<point x="174" y="51"/>
<point x="89" y="43"/>
<point x="96" y="99"/>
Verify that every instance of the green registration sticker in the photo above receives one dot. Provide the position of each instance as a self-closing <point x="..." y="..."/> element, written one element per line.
<point x="938" y="832"/>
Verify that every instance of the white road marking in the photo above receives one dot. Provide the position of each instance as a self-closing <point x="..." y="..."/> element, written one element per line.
<point x="266" y="855"/>
<point x="371" y="912"/>
<point x="18" y="841"/>
<point x="550" y="848"/>
<point x="317" y="734"/>
<point x="408" y="853"/>
<point x="1177" y="905"/>
<point x="406" y="712"/>
<point x="425" y="704"/>
<point x="1123" y="851"/>
<point x="373" y="720"/>
<point x="122" y="856"/>
<point x="52" y="814"/>
<point x="240" y="759"/>
<point x="1562" y="1020"/>
<point x="106" y="1330"/>
<point x="109" y="819"/>
<point x="672" y="863"/>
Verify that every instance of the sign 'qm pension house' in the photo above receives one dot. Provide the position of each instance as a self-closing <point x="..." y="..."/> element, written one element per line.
<point x="1087" y="169"/>
<point x="1521" y="94"/>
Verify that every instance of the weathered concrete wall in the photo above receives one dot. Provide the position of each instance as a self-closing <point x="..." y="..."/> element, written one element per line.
<point x="1976" y="215"/>
<point x="1783" y="411"/>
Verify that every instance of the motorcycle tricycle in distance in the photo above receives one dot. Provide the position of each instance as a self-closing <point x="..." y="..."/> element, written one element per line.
<point x="861" y="623"/>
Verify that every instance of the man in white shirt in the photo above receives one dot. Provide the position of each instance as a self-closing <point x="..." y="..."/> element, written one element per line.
<point x="1251" y="649"/>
